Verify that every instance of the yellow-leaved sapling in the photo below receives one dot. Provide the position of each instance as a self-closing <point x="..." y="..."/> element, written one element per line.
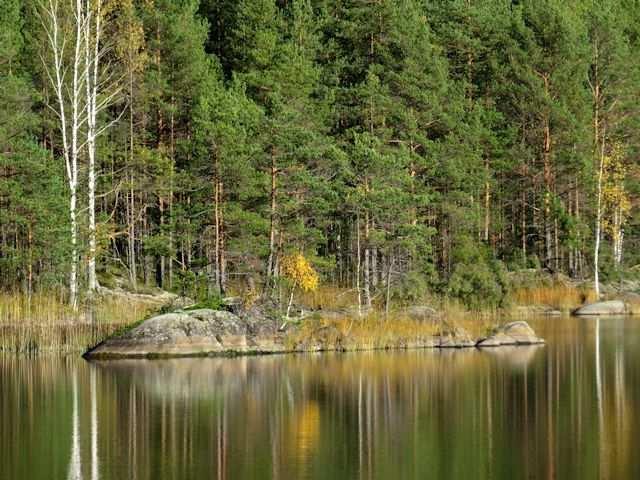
<point x="300" y="273"/>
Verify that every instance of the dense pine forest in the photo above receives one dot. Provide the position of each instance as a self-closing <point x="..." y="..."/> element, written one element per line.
<point x="401" y="147"/>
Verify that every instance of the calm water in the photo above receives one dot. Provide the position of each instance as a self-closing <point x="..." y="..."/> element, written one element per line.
<point x="568" y="410"/>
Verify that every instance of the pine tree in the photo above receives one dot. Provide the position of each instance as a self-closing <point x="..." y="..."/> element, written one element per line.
<point x="32" y="219"/>
<point x="275" y="49"/>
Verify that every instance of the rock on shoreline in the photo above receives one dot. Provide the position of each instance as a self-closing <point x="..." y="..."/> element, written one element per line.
<point x="610" y="307"/>
<point x="206" y="332"/>
<point x="514" y="333"/>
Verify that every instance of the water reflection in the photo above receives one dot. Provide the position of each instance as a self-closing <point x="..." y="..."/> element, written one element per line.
<point x="75" y="469"/>
<point x="565" y="410"/>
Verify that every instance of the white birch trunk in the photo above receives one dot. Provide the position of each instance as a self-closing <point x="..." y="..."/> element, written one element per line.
<point x="598" y="226"/>
<point x="86" y="93"/>
<point x="69" y="125"/>
<point x="92" y="61"/>
<point x="76" y="122"/>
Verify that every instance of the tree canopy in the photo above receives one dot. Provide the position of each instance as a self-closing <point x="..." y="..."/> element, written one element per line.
<point x="397" y="145"/>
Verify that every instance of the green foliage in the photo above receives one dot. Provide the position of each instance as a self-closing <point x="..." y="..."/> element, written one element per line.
<point x="433" y="140"/>
<point x="214" y="302"/>
<point x="411" y="289"/>
<point x="477" y="279"/>
<point x="157" y="245"/>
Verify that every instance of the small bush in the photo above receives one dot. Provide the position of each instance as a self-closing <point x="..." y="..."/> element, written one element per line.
<point x="213" y="302"/>
<point x="478" y="285"/>
<point x="410" y="289"/>
<point x="478" y="280"/>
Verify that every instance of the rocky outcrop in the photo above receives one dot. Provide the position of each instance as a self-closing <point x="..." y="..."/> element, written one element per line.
<point x="611" y="307"/>
<point x="514" y="333"/>
<point x="192" y="333"/>
<point x="205" y="332"/>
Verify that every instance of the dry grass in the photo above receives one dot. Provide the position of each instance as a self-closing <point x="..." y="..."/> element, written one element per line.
<point x="328" y="297"/>
<point x="633" y="303"/>
<point x="560" y="296"/>
<point x="377" y="331"/>
<point x="366" y="332"/>
<point x="43" y="323"/>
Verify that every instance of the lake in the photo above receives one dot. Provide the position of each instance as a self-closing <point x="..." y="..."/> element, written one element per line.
<point x="566" y="410"/>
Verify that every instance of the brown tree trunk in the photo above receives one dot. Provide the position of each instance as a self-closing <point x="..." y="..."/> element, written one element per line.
<point x="171" y="187"/>
<point x="132" y="236"/>
<point x="162" y="257"/>
<point x="133" y="274"/>
<point x="272" y="217"/>
<point x="358" y="265"/>
<point x="487" y="202"/>
<point x="366" y="287"/>
<point x="547" y="192"/>
<point x="218" y="253"/>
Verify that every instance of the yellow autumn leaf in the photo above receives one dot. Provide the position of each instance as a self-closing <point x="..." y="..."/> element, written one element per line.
<point x="298" y="269"/>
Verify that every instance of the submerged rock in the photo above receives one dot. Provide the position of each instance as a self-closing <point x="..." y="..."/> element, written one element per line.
<point x="611" y="307"/>
<point x="514" y="333"/>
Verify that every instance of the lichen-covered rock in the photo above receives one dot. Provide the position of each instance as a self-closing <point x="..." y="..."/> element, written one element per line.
<point x="189" y="333"/>
<point x="206" y="332"/>
<point x="514" y="333"/>
<point x="611" y="307"/>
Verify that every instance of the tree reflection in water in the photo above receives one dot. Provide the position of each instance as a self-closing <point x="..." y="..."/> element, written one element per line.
<point x="564" y="410"/>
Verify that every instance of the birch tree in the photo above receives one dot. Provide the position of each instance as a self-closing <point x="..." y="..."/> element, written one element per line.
<point x="615" y="202"/>
<point x="92" y="55"/>
<point x="612" y="80"/>
<point x="103" y="88"/>
<point x="66" y="72"/>
<point x="83" y="85"/>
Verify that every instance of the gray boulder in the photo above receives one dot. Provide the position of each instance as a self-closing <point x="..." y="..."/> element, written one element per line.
<point x="611" y="307"/>
<point x="514" y="333"/>
<point x="189" y="333"/>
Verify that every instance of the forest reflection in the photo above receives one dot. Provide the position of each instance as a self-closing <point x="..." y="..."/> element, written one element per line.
<point x="564" y="410"/>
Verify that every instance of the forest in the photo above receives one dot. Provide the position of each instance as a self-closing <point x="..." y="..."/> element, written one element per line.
<point x="400" y="147"/>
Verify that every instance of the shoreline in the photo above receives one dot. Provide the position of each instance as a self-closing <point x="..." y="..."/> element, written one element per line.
<point x="88" y="356"/>
<point x="205" y="332"/>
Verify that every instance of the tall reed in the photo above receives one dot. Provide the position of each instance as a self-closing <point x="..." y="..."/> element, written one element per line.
<point x="43" y="323"/>
<point x="557" y="295"/>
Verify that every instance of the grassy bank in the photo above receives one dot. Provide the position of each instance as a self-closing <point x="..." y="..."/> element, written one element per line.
<point x="376" y="330"/>
<point x="560" y="296"/>
<point x="43" y="323"/>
